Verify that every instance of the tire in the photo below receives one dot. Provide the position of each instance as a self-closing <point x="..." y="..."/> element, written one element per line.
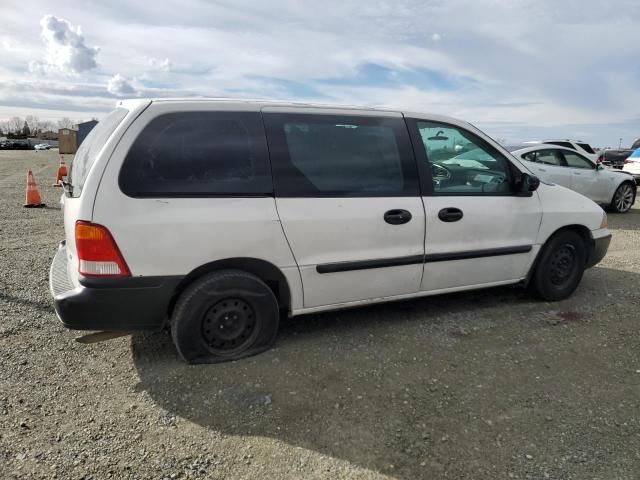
<point x="224" y="316"/>
<point x="560" y="266"/>
<point x="624" y="198"/>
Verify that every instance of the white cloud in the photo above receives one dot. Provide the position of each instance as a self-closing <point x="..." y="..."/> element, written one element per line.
<point x="163" y="65"/>
<point x="120" y="86"/>
<point x="524" y="64"/>
<point x="66" y="50"/>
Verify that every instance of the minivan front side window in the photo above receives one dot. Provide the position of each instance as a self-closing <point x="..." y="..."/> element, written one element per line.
<point x="462" y="163"/>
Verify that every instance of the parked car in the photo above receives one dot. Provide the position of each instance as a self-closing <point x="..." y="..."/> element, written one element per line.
<point x="42" y="146"/>
<point x="566" y="167"/>
<point x="578" y="145"/>
<point x="213" y="218"/>
<point x="632" y="165"/>
<point x="14" y="145"/>
<point x="613" y="158"/>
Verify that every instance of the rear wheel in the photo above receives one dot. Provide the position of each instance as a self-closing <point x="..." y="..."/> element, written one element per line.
<point x="224" y="316"/>
<point x="560" y="266"/>
<point x="624" y="198"/>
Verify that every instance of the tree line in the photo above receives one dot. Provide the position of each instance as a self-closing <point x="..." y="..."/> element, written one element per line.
<point x="32" y="125"/>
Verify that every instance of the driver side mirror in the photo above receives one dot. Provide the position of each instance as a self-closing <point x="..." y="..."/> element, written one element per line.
<point x="599" y="166"/>
<point x="528" y="183"/>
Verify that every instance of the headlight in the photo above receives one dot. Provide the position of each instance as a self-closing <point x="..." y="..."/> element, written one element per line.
<point x="605" y="222"/>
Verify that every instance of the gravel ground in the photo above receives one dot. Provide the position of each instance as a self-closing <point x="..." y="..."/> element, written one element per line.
<point x="484" y="385"/>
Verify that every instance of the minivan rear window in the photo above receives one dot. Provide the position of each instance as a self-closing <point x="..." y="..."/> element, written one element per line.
<point x="90" y="147"/>
<point x="187" y="154"/>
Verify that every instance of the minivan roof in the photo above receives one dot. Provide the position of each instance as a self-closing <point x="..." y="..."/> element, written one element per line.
<point x="131" y="104"/>
<point x="253" y="101"/>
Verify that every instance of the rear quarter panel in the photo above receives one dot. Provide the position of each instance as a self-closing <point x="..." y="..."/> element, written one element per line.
<point x="174" y="236"/>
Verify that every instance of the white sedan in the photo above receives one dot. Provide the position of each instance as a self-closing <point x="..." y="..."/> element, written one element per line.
<point x="566" y="167"/>
<point x="42" y="146"/>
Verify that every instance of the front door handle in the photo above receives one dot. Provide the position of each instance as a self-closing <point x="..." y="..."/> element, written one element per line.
<point x="397" y="217"/>
<point x="450" y="214"/>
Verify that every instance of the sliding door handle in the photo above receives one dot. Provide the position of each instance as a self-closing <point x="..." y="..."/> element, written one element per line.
<point x="450" y="214"/>
<point x="397" y="217"/>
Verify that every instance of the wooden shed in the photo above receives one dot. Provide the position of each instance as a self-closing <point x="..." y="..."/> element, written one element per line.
<point x="67" y="140"/>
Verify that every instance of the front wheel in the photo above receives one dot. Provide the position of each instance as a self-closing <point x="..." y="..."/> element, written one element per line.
<point x="560" y="266"/>
<point x="623" y="199"/>
<point x="225" y="315"/>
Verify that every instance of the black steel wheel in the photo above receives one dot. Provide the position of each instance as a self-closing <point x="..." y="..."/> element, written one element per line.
<point x="225" y="315"/>
<point x="560" y="266"/>
<point x="229" y="326"/>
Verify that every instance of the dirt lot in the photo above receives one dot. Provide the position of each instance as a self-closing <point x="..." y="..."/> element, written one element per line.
<point x="485" y="385"/>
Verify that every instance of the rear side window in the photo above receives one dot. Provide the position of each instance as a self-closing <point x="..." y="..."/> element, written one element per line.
<point x="186" y="154"/>
<point x="90" y="147"/>
<point x="546" y="157"/>
<point x="344" y="156"/>
<point x="586" y="147"/>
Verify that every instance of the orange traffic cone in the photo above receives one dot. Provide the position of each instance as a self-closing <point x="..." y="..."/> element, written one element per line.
<point x="33" y="199"/>
<point x="61" y="172"/>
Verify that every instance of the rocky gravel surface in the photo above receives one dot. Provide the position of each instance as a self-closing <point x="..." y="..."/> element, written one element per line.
<point x="483" y="385"/>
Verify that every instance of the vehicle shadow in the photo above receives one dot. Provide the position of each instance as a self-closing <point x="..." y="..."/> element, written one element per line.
<point x="428" y="388"/>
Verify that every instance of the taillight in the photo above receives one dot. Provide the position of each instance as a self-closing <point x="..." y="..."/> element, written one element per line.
<point x="98" y="253"/>
<point x="628" y="161"/>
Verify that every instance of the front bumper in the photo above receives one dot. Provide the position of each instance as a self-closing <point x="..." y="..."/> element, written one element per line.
<point x="138" y="303"/>
<point x="599" y="250"/>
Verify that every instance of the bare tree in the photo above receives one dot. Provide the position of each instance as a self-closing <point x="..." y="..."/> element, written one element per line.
<point x="32" y="123"/>
<point x="14" y="124"/>
<point x="26" y="131"/>
<point x="46" y="126"/>
<point x="65" y="122"/>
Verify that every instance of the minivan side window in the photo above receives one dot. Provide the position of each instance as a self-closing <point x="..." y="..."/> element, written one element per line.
<point x="461" y="163"/>
<point x="340" y="156"/>
<point x="187" y="154"/>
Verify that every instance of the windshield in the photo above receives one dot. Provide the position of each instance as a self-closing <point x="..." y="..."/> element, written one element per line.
<point x="90" y="147"/>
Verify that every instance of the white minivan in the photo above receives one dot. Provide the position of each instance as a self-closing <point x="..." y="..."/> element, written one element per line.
<point x="215" y="217"/>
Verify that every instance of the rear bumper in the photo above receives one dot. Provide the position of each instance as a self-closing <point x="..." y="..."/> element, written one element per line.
<point x="134" y="303"/>
<point x="600" y="247"/>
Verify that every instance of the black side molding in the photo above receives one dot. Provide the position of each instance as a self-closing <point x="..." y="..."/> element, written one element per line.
<point x="366" y="264"/>
<point x="416" y="259"/>
<point x="490" y="252"/>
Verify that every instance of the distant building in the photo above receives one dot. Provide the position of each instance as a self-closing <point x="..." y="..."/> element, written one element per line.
<point x="67" y="140"/>
<point x="83" y="130"/>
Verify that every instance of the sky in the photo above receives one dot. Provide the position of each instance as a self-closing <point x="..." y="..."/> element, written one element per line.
<point x="517" y="69"/>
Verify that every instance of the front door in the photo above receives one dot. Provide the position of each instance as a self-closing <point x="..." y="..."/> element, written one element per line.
<point x="479" y="232"/>
<point x="348" y="199"/>
<point x="584" y="176"/>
